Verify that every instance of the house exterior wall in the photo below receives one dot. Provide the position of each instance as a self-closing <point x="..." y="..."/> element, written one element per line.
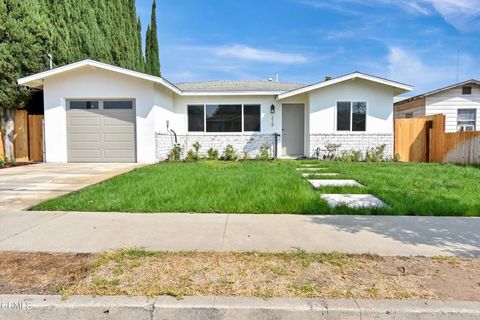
<point x="96" y="84"/>
<point x="379" y="119"/>
<point x="449" y="101"/>
<point x="416" y="107"/>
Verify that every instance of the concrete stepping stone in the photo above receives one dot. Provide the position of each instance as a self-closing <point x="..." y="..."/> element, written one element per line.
<point x="334" y="183"/>
<point x="325" y="174"/>
<point x="354" y="200"/>
<point x="307" y="165"/>
<point x="310" y="169"/>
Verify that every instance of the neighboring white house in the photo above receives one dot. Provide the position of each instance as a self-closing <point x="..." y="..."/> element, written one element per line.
<point x="460" y="103"/>
<point x="95" y="112"/>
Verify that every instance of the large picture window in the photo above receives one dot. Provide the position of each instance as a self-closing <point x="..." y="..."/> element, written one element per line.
<point x="351" y="116"/>
<point x="224" y="118"/>
<point x="466" y="119"/>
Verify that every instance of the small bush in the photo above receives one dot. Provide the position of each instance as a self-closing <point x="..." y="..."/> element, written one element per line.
<point x="175" y="153"/>
<point x="245" y="156"/>
<point x="376" y="154"/>
<point x="229" y="154"/>
<point x="196" y="146"/>
<point x="356" y="156"/>
<point x="264" y="152"/>
<point x="396" y="157"/>
<point x="332" y="150"/>
<point x="212" y="154"/>
<point x="191" y="156"/>
<point x="2" y="163"/>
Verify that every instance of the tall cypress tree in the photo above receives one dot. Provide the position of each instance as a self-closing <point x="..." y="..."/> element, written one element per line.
<point x="152" y="59"/>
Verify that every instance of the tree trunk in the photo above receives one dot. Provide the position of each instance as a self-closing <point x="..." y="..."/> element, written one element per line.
<point x="7" y="126"/>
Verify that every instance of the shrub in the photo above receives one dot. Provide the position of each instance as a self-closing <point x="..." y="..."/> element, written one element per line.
<point x="175" y="153"/>
<point x="356" y="156"/>
<point x="2" y="163"/>
<point x="376" y="154"/>
<point x="196" y="146"/>
<point x="191" y="156"/>
<point x="212" y="154"/>
<point x="396" y="157"/>
<point x="264" y="152"/>
<point x="229" y="154"/>
<point x="332" y="149"/>
<point x="245" y="155"/>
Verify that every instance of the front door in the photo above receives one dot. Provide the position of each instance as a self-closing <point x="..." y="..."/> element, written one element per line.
<point x="293" y="128"/>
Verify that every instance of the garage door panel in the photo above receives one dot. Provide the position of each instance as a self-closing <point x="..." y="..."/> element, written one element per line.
<point x="85" y="137"/>
<point x="101" y="135"/>
<point x="118" y="137"/>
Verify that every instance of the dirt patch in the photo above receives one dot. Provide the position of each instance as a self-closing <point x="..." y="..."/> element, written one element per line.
<point x="282" y="275"/>
<point x="41" y="273"/>
<point x="298" y="274"/>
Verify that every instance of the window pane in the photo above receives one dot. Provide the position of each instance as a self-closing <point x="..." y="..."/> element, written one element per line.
<point x="466" y="90"/>
<point x="343" y="116"/>
<point x="87" y="105"/>
<point x="110" y="104"/>
<point x="466" y="115"/>
<point x="359" y="116"/>
<point x="251" y="117"/>
<point x="195" y="118"/>
<point x="224" y="118"/>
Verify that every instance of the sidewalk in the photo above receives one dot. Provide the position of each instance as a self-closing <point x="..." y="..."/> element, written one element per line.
<point x="96" y="232"/>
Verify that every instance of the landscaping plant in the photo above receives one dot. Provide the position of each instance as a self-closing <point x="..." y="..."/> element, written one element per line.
<point x="212" y="154"/>
<point x="175" y="153"/>
<point x="264" y="152"/>
<point x="229" y="154"/>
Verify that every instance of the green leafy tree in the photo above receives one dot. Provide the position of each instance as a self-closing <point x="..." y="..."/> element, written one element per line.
<point x="24" y="43"/>
<point x="152" y="58"/>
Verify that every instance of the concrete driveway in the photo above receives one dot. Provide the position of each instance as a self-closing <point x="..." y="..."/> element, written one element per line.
<point x="24" y="186"/>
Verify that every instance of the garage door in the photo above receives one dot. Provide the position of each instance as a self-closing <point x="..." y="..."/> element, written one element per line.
<point x="101" y="131"/>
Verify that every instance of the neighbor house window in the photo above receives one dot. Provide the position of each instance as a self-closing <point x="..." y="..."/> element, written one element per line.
<point x="351" y="116"/>
<point x="223" y="118"/>
<point x="466" y="90"/>
<point x="117" y="104"/>
<point x="466" y="119"/>
<point x="86" y="105"/>
<point x="409" y="115"/>
<point x="196" y="118"/>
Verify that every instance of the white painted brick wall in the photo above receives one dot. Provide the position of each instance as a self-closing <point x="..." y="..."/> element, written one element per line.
<point x="249" y="143"/>
<point x="350" y="142"/>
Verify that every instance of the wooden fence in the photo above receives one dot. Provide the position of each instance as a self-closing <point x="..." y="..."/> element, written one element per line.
<point x="27" y="137"/>
<point x="424" y="140"/>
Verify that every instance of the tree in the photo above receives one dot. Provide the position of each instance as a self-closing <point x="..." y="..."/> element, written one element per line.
<point x="24" y="43"/>
<point x="152" y="59"/>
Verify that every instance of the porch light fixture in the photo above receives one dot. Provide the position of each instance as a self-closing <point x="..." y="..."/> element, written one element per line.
<point x="272" y="108"/>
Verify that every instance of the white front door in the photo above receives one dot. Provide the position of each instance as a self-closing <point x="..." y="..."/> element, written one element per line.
<point x="293" y="129"/>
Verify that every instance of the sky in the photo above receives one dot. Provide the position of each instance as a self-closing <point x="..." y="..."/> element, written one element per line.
<point x="418" y="42"/>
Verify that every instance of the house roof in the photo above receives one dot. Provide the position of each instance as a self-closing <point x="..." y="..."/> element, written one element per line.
<point x="423" y="95"/>
<point x="399" y="87"/>
<point x="205" y="88"/>
<point x="238" y="85"/>
<point x="36" y="80"/>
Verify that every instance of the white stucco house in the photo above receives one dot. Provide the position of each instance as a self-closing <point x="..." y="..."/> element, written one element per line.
<point x="95" y="112"/>
<point x="460" y="103"/>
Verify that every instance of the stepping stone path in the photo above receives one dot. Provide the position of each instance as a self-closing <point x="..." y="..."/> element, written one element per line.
<point x="319" y="174"/>
<point x="334" y="200"/>
<point x="334" y="183"/>
<point x="354" y="200"/>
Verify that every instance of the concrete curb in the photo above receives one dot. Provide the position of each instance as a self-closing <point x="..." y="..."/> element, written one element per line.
<point x="19" y="307"/>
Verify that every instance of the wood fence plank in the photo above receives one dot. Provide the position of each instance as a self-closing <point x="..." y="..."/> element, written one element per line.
<point x="35" y="137"/>
<point x="20" y="136"/>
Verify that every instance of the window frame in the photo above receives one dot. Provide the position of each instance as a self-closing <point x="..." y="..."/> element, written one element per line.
<point x="408" y="115"/>
<point x="205" y="132"/>
<point x="100" y="101"/>
<point x="352" y="101"/>
<point x="474" y="118"/>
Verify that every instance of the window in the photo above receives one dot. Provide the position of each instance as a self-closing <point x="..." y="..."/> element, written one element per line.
<point x="409" y="115"/>
<point x="85" y="105"/>
<point x="351" y="116"/>
<point x="343" y="116"/>
<point x="196" y="118"/>
<point x="466" y="118"/>
<point x="117" y="104"/>
<point x="251" y="117"/>
<point x="224" y="118"/>
<point x="466" y="90"/>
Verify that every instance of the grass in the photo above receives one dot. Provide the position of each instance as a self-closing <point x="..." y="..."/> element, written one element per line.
<point x="277" y="187"/>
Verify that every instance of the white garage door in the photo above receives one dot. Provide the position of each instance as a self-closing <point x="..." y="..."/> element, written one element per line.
<point x="101" y="130"/>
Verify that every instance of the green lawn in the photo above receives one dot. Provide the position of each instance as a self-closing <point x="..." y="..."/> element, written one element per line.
<point x="276" y="187"/>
